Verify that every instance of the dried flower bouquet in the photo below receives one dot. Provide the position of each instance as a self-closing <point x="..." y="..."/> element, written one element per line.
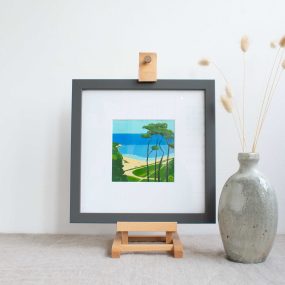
<point x="229" y="101"/>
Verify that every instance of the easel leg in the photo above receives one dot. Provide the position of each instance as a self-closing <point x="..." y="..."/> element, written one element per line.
<point x="125" y="238"/>
<point x="116" y="247"/>
<point x="169" y="237"/>
<point x="178" y="247"/>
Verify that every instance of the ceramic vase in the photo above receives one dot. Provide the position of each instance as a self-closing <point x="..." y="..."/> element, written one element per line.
<point x="248" y="213"/>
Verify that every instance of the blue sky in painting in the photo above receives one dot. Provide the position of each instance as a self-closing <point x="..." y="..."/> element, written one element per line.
<point x="135" y="126"/>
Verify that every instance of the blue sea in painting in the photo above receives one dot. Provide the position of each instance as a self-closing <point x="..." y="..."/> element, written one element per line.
<point x="134" y="146"/>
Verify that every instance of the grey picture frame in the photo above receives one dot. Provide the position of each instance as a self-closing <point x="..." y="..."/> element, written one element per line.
<point x="79" y="85"/>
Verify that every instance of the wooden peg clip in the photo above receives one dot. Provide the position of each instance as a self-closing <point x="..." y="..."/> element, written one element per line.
<point x="147" y="67"/>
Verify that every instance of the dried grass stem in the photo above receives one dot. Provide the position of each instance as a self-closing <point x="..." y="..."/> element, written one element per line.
<point x="261" y="111"/>
<point x="272" y="90"/>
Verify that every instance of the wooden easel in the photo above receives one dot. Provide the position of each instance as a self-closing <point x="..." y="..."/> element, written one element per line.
<point x="124" y="243"/>
<point x="170" y="242"/>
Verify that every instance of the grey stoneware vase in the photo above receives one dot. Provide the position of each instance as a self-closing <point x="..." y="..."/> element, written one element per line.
<point x="248" y="213"/>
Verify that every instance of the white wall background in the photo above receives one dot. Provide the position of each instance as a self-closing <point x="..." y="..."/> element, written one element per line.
<point x="45" y="44"/>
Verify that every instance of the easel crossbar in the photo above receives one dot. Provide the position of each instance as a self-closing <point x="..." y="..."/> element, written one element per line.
<point x="146" y="247"/>
<point x="146" y="226"/>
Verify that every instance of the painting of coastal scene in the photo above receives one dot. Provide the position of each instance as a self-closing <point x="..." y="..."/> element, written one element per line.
<point x="143" y="151"/>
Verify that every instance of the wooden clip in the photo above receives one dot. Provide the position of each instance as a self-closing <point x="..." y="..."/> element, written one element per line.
<point x="147" y="67"/>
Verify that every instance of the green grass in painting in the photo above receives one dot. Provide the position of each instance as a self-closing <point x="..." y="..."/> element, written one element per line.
<point x="142" y="172"/>
<point x="133" y="179"/>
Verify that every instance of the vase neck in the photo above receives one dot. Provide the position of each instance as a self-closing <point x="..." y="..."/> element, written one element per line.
<point x="248" y="161"/>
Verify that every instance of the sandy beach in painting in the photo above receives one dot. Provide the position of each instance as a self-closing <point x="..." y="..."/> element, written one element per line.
<point x="130" y="163"/>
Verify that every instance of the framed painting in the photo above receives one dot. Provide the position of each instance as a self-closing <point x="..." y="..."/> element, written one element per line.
<point x="143" y="151"/>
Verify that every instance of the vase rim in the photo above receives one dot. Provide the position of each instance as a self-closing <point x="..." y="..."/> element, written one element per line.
<point x="248" y="155"/>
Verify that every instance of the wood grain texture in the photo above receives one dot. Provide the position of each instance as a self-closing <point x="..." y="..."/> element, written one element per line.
<point x="147" y="226"/>
<point x="124" y="237"/>
<point x="146" y="247"/>
<point x="178" y="247"/>
<point x="125" y="243"/>
<point x="147" y="238"/>
<point x="116" y="247"/>
<point x="169" y="237"/>
<point x="147" y="67"/>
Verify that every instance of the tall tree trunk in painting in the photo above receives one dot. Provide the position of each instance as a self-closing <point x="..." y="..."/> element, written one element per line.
<point x="147" y="159"/>
<point x="156" y="148"/>
<point x="160" y="162"/>
<point x="158" y="131"/>
<point x="169" y="138"/>
<point x="148" y="152"/>
<point x="167" y="162"/>
<point x="147" y="167"/>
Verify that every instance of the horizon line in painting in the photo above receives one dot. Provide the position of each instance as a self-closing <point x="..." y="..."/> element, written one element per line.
<point x="143" y="151"/>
